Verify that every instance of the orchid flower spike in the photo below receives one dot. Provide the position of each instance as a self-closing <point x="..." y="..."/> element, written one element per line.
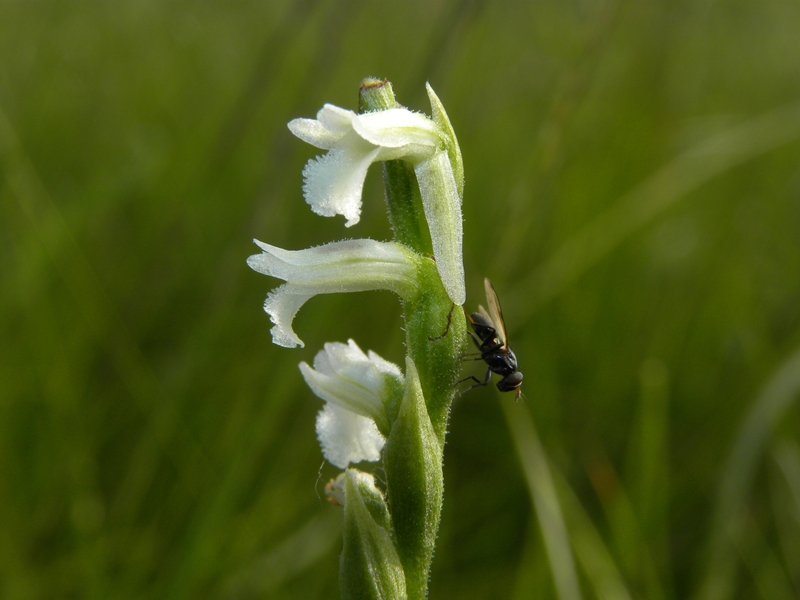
<point x="348" y="266"/>
<point x="358" y="389"/>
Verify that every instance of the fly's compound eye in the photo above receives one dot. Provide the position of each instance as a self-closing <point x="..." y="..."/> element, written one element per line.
<point x="511" y="382"/>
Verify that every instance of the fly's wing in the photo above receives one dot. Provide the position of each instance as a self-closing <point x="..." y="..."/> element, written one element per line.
<point x="485" y="314"/>
<point x="495" y="313"/>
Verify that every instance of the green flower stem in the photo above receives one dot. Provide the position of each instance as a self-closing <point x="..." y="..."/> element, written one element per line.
<point x="435" y="341"/>
<point x="376" y="94"/>
<point x="427" y="317"/>
<point x="404" y="204"/>
<point x="403" y="199"/>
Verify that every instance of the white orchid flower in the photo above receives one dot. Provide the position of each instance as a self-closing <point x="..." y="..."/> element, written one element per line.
<point x="357" y="388"/>
<point x="333" y="182"/>
<point x="348" y="266"/>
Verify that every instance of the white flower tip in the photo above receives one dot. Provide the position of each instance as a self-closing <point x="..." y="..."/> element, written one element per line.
<point x="286" y="339"/>
<point x="306" y="370"/>
<point x="282" y="305"/>
<point x="327" y="130"/>
<point x="311" y="132"/>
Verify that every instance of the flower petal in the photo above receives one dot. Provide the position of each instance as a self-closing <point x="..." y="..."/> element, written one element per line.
<point x="384" y="365"/>
<point x="347" y="438"/>
<point x="397" y="127"/>
<point x="333" y="182"/>
<point x="348" y="361"/>
<point x="336" y="119"/>
<point x="314" y="133"/>
<point x="346" y="266"/>
<point x="345" y="376"/>
<point x="327" y="130"/>
<point x="346" y="394"/>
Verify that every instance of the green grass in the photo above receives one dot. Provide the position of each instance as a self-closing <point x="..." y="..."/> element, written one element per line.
<point x="632" y="190"/>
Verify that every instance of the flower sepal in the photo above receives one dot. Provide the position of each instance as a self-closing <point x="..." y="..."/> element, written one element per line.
<point x="449" y="136"/>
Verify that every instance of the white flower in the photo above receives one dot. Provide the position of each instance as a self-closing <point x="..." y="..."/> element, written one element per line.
<point x="357" y="388"/>
<point x="333" y="182"/>
<point x="348" y="266"/>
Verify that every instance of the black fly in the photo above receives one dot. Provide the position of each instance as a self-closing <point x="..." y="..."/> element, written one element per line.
<point x="492" y="344"/>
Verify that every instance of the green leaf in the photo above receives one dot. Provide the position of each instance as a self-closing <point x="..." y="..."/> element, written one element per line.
<point x="413" y="464"/>
<point x="369" y="567"/>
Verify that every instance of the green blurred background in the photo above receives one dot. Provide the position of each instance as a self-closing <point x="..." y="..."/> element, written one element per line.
<point x="632" y="189"/>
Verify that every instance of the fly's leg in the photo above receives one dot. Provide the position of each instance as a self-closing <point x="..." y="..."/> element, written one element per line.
<point x="476" y="341"/>
<point x="478" y="382"/>
<point x="446" y="329"/>
<point x="474" y="355"/>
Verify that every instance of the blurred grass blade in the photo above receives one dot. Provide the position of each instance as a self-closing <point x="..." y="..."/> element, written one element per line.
<point x="592" y="553"/>
<point x="781" y="390"/>
<point x="543" y="494"/>
<point x="102" y="318"/>
<point x="762" y="563"/>
<point x="632" y="546"/>
<point x="653" y="197"/>
<point x="785" y="493"/>
<point x="653" y="447"/>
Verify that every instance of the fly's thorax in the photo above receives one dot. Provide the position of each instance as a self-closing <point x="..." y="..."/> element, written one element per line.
<point x="500" y="362"/>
